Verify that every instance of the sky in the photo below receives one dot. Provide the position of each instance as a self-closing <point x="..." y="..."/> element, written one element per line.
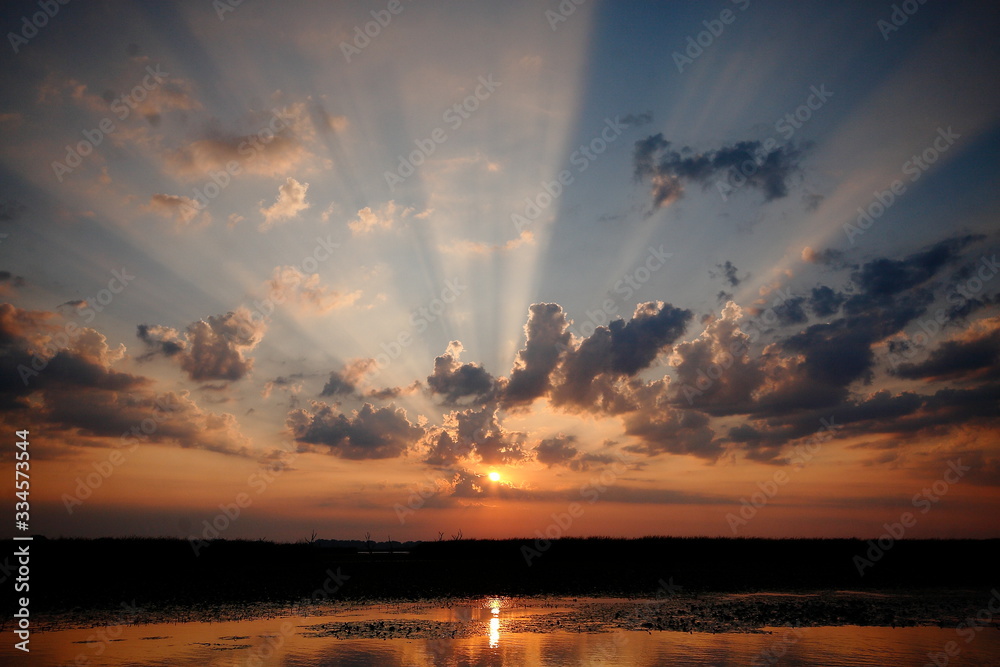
<point x="687" y="268"/>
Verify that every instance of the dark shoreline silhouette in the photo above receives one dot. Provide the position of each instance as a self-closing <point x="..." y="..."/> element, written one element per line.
<point x="91" y="574"/>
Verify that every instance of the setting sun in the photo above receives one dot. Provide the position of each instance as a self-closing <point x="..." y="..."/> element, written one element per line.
<point x="494" y="476"/>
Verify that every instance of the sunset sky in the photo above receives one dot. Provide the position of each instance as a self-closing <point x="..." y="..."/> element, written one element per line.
<point x="637" y="256"/>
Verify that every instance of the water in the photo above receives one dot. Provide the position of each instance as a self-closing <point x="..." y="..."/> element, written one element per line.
<point x="497" y="635"/>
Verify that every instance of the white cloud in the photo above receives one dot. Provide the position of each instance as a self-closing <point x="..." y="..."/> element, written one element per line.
<point x="290" y="202"/>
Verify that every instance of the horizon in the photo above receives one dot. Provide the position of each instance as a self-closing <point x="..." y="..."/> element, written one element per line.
<point x="680" y="271"/>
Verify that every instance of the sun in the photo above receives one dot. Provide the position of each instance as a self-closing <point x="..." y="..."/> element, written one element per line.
<point x="494" y="476"/>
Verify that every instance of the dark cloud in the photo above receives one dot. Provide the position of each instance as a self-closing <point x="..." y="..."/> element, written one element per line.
<point x="7" y="276"/>
<point x="82" y="401"/>
<point x="370" y="434"/>
<point x="546" y="335"/>
<point x="975" y="354"/>
<point x="336" y="384"/>
<point x="588" y="374"/>
<point x="637" y="120"/>
<point x="456" y="381"/>
<point x="673" y="432"/>
<point x="10" y="209"/>
<point x="888" y="277"/>
<point x="669" y="171"/>
<point x="561" y="451"/>
<point x="728" y="271"/>
<point x="556" y="451"/>
<point x="790" y="311"/>
<point x="825" y="302"/>
<point x="208" y="350"/>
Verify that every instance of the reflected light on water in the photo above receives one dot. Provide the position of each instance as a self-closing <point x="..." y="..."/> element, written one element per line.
<point x="494" y="605"/>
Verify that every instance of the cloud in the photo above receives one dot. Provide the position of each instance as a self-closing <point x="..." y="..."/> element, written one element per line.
<point x="456" y="381"/>
<point x="545" y="336"/>
<point x="672" y="431"/>
<point x="369" y="434"/>
<point x="463" y="247"/>
<point x="825" y="302"/>
<point x="78" y="398"/>
<point x="184" y="211"/>
<point x="587" y="373"/>
<point x="280" y="155"/>
<point x="11" y="209"/>
<point x="289" y="285"/>
<point x="721" y="345"/>
<point x="637" y="120"/>
<point x="8" y="280"/>
<point x="384" y="218"/>
<point x="561" y="450"/>
<point x="728" y="271"/>
<point x="208" y="350"/>
<point x="888" y="277"/>
<point x="669" y="171"/>
<point x="290" y="202"/>
<point x="346" y="380"/>
<point x="973" y="354"/>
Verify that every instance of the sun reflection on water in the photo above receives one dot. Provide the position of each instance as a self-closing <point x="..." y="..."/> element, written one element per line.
<point x="494" y="605"/>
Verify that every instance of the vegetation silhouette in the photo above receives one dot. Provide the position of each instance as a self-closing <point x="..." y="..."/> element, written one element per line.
<point x="72" y="573"/>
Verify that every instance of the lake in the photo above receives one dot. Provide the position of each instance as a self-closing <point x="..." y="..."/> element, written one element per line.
<point x="490" y="631"/>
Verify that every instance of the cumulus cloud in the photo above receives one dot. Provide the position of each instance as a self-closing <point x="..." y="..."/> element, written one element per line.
<point x="561" y="450"/>
<point x="215" y="349"/>
<point x="386" y="217"/>
<point x="290" y="202"/>
<point x="456" y="381"/>
<point x="82" y="400"/>
<point x="589" y="374"/>
<point x="369" y="433"/>
<point x="546" y="335"/>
